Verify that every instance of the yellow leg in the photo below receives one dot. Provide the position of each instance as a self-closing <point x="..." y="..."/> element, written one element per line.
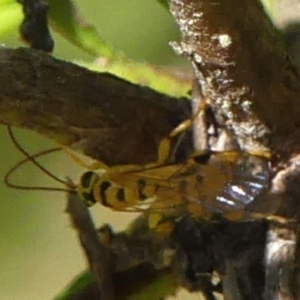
<point x="164" y="148"/>
<point x="261" y="153"/>
<point x="95" y="165"/>
<point x="99" y="165"/>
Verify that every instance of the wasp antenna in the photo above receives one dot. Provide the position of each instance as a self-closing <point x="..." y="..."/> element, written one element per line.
<point x="32" y="158"/>
<point x="8" y="182"/>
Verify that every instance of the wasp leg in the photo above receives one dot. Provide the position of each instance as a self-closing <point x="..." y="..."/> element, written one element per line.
<point x="165" y="149"/>
<point x="165" y="146"/>
<point x="95" y="165"/>
<point x="164" y="152"/>
<point x="264" y="153"/>
<point x="99" y="165"/>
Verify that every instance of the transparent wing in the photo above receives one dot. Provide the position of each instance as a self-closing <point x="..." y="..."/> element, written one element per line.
<point x="230" y="187"/>
<point x="220" y="186"/>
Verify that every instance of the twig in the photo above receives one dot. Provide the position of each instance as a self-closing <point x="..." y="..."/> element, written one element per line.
<point x="98" y="256"/>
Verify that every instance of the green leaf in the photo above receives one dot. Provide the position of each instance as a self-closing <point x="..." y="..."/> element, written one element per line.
<point x="77" y="31"/>
<point x="79" y="283"/>
<point x="10" y="16"/>
<point x="269" y="6"/>
<point x="2" y="2"/>
<point x="162" y="286"/>
<point x="164" y="3"/>
<point x="159" y="78"/>
<point x="159" y="289"/>
<point x="66" y="20"/>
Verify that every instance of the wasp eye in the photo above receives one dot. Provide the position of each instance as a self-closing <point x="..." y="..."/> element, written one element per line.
<point x="85" y="189"/>
<point x="86" y="179"/>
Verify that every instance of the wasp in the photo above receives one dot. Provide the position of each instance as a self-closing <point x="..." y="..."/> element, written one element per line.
<point x="231" y="184"/>
<point x="175" y="198"/>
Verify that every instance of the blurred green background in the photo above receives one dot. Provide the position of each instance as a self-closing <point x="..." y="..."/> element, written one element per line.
<point x="39" y="252"/>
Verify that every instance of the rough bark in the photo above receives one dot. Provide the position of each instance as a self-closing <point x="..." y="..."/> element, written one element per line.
<point x="250" y="83"/>
<point x="98" y="114"/>
<point x="242" y="67"/>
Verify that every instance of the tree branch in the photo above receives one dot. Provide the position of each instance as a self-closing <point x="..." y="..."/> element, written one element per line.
<point x="244" y="70"/>
<point x="102" y="116"/>
<point x="242" y="66"/>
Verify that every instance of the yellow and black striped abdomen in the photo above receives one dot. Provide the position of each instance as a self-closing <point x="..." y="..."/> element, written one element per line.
<point x="115" y="190"/>
<point x="232" y="184"/>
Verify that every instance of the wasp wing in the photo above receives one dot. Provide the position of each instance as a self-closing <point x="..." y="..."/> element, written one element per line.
<point x="220" y="186"/>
